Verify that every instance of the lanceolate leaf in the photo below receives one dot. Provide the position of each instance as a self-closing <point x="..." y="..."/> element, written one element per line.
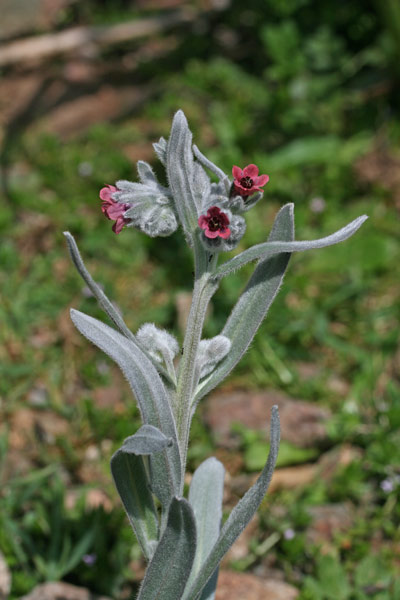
<point x="180" y="167"/>
<point x="131" y="480"/>
<point x="147" y="440"/>
<point x="254" y="303"/>
<point x="96" y="290"/>
<point x="100" y="296"/>
<point x="240" y="515"/>
<point x="170" y="566"/>
<point x="151" y="396"/>
<point x="205" y="497"/>
<point x="269" y="249"/>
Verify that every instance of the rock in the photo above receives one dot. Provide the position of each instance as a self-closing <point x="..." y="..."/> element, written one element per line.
<point x="5" y="579"/>
<point x="21" y="16"/>
<point x="302" y="423"/>
<point x="61" y="591"/>
<point x="243" y="586"/>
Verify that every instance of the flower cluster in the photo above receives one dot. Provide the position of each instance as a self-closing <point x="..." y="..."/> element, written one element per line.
<point x="147" y="205"/>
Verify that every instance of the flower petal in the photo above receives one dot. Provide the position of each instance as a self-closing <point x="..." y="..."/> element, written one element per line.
<point x="105" y="192"/>
<point x="261" y="180"/>
<point x="203" y="221"/>
<point x="118" y="225"/>
<point x="224" y="233"/>
<point x="237" y="172"/>
<point x="211" y="234"/>
<point x="250" y="171"/>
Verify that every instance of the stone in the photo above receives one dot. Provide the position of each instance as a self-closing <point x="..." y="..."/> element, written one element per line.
<point x="22" y="16"/>
<point x="302" y="423"/>
<point x="244" y="586"/>
<point x="61" y="591"/>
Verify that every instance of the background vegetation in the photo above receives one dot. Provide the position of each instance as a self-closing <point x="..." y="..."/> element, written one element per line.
<point x="308" y="90"/>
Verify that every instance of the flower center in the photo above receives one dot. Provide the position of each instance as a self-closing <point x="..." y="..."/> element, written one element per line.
<point x="246" y="182"/>
<point x="214" y="223"/>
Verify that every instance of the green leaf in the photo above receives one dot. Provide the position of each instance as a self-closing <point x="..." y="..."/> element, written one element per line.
<point x="180" y="168"/>
<point x="268" y="249"/>
<point x="151" y="396"/>
<point x="254" y="303"/>
<point x="132" y="482"/>
<point x="169" y="569"/>
<point x="240" y="515"/>
<point x="147" y="440"/>
<point x="205" y="496"/>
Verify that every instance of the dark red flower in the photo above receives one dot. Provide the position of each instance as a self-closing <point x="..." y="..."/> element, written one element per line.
<point x="215" y="223"/>
<point x="248" y="181"/>
<point x="112" y="209"/>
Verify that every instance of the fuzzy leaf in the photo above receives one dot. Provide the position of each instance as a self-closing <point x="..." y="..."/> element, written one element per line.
<point x="131" y="480"/>
<point x="240" y="515"/>
<point x="170" y="566"/>
<point x="205" y="496"/>
<point x="151" y="396"/>
<point x="147" y="440"/>
<point x="254" y="303"/>
<point x="268" y="249"/>
<point x="160" y="148"/>
<point x="180" y="171"/>
<point x="96" y="290"/>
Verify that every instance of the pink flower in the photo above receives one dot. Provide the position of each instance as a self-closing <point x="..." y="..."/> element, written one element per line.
<point x="215" y="223"/>
<point x="112" y="209"/>
<point x="248" y="181"/>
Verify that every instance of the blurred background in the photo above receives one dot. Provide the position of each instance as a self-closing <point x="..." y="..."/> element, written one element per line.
<point x="309" y="91"/>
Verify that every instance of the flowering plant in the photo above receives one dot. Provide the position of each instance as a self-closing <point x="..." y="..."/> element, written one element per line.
<point x="182" y="539"/>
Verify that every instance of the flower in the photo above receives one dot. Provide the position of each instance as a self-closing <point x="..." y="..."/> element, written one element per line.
<point x="289" y="533"/>
<point x="112" y="209"/>
<point x="215" y="223"/>
<point x="89" y="559"/>
<point x="248" y="181"/>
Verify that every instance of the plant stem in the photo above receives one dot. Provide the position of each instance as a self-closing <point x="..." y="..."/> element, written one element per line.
<point x="203" y="290"/>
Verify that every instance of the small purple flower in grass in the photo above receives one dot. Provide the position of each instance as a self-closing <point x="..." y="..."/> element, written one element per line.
<point x="289" y="533"/>
<point x="113" y="210"/>
<point x="247" y="181"/>
<point x="89" y="559"/>
<point x="215" y="223"/>
<point x="387" y="485"/>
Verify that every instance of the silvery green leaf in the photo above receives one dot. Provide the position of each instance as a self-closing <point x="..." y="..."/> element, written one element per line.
<point x="147" y="176"/>
<point x="132" y="482"/>
<point x="151" y="396"/>
<point x="208" y="164"/>
<point x="211" y="352"/>
<point x="96" y="290"/>
<point x="262" y="251"/>
<point x="254" y="303"/>
<point x="160" y="148"/>
<point x="180" y="171"/>
<point x="240" y="515"/>
<point x="205" y="496"/>
<point x="170" y="566"/>
<point x="200" y="185"/>
<point x="147" y="440"/>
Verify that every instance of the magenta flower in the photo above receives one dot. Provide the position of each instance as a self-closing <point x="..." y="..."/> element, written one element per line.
<point x="248" y="181"/>
<point x="112" y="209"/>
<point x="215" y="223"/>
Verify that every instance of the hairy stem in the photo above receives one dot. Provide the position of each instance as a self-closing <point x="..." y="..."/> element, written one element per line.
<point x="204" y="288"/>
